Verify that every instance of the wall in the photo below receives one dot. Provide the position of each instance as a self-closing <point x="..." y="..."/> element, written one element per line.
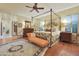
<point x="70" y="11"/>
<point x="47" y="20"/>
<point x="7" y="20"/>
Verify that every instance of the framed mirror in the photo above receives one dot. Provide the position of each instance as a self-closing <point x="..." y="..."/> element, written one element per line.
<point x="27" y="24"/>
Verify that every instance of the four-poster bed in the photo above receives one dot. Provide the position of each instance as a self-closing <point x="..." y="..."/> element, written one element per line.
<point x="49" y="35"/>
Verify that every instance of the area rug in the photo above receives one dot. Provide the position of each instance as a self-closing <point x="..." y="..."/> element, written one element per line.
<point x="20" y="48"/>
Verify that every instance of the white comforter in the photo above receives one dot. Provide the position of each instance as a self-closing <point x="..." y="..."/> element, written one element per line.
<point x="57" y="33"/>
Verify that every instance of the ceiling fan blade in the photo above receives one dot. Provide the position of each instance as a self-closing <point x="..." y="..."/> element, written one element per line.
<point x="28" y="6"/>
<point x="35" y="7"/>
<point x="35" y="4"/>
<point x="40" y="8"/>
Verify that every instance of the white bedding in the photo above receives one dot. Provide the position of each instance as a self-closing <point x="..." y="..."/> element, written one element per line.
<point x="56" y="34"/>
<point x="46" y="35"/>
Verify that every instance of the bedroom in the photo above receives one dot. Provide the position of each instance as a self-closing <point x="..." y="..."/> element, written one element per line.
<point x="18" y="24"/>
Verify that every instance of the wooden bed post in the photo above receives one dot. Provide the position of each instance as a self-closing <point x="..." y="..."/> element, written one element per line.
<point x="50" y="42"/>
<point x="31" y="21"/>
<point x="12" y="28"/>
<point x="60" y="24"/>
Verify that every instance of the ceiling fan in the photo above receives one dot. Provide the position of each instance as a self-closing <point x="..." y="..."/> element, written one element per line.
<point x="35" y="7"/>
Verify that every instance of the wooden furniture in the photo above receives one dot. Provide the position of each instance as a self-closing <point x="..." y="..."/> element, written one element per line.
<point x="66" y="37"/>
<point x="77" y="38"/>
<point x="74" y="38"/>
<point x="27" y="30"/>
<point x="38" y="41"/>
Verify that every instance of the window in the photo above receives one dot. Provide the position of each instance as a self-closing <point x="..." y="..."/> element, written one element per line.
<point x="70" y="23"/>
<point x="74" y="23"/>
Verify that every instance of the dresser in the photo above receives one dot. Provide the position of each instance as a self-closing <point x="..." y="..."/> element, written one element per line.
<point x="66" y="37"/>
<point x="27" y="30"/>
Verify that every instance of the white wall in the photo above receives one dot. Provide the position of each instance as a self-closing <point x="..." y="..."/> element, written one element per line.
<point x="7" y="22"/>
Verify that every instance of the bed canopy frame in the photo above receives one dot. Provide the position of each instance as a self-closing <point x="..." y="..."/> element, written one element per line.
<point x="51" y="19"/>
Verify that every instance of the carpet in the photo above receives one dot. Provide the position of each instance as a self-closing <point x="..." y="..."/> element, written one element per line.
<point x="28" y="49"/>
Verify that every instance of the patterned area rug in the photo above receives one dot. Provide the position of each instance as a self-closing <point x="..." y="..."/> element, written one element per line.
<point x="28" y="49"/>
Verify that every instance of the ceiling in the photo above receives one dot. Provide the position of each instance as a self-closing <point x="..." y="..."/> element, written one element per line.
<point x="20" y="9"/>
